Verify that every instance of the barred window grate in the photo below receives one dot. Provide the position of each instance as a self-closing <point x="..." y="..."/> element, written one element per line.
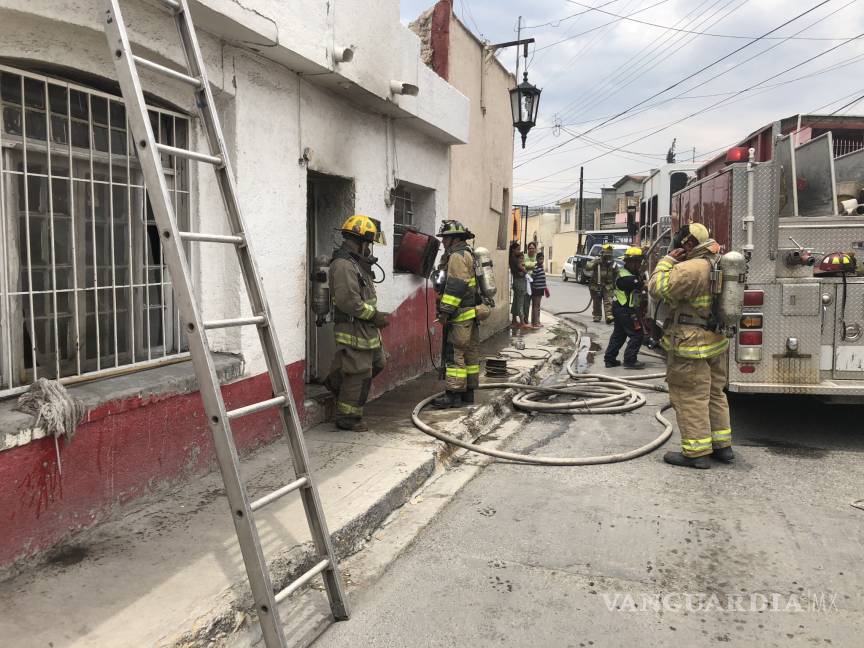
<point x="83" y="286"/>
<point x="403" y="214"/>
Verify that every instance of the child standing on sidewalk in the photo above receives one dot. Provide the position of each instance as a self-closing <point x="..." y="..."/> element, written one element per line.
<point x="538" y="290"/>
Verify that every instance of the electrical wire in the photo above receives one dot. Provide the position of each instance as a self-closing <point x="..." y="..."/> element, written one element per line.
<point x="702" y="33"/>
<point x="687" y="78"/>
<point x="708" y="108"/>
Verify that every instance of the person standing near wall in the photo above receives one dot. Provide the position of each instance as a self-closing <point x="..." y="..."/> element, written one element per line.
<point x="357" y="321"/>
<point x="530" y="263"/>
<point x="460" y="308"/>
<point x="519" y="289"/>
<point x="539" y="289"/>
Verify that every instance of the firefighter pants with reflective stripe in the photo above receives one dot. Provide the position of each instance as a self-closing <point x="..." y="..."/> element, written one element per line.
<point x="351" y="377"/>
<point x="696" y="392"/>
<point x="601" y="297"/>
<point x="462" y="356"/>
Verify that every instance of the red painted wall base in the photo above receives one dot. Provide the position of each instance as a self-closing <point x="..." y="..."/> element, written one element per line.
<point x="130" y="448"/>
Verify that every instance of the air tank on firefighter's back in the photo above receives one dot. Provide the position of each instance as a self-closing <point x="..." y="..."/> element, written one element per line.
<point x="730" y="300"/>
<point x="484" y="273"/>
<point x="320" y="290"/>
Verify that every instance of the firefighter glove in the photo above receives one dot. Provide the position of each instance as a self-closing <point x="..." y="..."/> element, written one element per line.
<point x="381" y="319"/>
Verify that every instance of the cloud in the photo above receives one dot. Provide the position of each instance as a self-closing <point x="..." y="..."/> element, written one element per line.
<point x="607" y="69"/>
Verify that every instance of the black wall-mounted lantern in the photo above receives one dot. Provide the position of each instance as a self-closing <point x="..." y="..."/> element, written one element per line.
<point x="524" y="102"/>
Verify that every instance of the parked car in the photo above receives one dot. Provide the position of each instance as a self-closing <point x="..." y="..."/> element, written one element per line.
<point x="569" y="271"/>
<point x="581" y="260"/>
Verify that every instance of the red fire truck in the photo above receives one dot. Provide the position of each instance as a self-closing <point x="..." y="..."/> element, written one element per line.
<point x="791" y="199"/>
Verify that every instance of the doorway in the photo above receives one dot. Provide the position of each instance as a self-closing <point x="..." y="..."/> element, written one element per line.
<point x="329" y="201"/>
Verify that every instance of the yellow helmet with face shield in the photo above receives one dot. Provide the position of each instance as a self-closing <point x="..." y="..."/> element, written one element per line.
<point x="364" y="228"/>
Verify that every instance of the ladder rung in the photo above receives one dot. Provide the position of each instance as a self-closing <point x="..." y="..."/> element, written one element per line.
<point x="192" y="155"/>
<point x="300" y="582"/>
<point x="240" y="321"/>
<point x="212" y="238"/>
<point x="275" y="495"/>
<point x="279" y="401"/>
<point x="174" y="74"/>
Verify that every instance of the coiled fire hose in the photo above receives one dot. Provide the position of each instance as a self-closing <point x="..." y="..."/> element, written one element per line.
<point x="588" y="394"/>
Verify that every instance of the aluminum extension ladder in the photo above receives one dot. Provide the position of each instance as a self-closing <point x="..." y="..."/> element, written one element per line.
<point x="148" y="152"/>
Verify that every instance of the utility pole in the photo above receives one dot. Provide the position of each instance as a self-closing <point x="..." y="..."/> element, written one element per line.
<point x="581" y="222"/>
<point x="519" y="38"/>
<point x="694" y="153"/>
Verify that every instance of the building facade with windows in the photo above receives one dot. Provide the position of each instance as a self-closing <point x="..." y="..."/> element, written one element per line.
<point x="481" y="172"/>
<point x="84" y="293"/>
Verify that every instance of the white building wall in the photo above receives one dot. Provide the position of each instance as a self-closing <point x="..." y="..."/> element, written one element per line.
<point x="348" y="120"/>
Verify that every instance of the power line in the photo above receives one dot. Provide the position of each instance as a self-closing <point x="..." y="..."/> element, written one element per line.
<point x="611" y="22"/>
<point x="688" y="77"/>
<point x="609" y="82"/>
<point x="745" y="61"/>
<point x="557" y="23"/>
<point x="848" y="105"/>
<point x="699" y="33"/>
<point x="659" y="52"/>
<point x="714" y="105"/>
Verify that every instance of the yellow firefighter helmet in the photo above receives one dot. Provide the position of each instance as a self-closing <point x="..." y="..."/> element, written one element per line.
<point x="364" y="228"/>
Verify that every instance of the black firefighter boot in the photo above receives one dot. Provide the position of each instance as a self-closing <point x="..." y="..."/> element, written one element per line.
<point x="467" y="397"/>
<point x="723" y="454"/>
<point x="448" y="400"/>
<point x="679" y="459"/>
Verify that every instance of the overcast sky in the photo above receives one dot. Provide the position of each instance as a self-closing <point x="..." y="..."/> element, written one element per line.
<point x="607" y="65"/>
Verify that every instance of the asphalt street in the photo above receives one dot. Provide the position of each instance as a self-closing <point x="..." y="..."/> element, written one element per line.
<point x="765" y="552"/>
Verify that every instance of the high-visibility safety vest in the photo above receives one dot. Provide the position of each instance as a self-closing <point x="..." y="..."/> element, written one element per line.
<point x="632" y="300"/>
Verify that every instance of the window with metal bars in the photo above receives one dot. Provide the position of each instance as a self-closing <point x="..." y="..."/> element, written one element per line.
<point x="84" y="290"/>
<point x="403" y="214"/>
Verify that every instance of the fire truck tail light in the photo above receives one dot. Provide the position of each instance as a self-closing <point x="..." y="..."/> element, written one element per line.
<point x="754" y="297"/>
<point x="750" y="338"/>
<point x="751" y="321"/>
<point x="737" y="154"/>
<point x="747" y="368"/>
<point x="749" y="354"/>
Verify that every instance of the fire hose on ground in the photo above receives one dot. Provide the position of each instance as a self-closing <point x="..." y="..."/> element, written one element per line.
<point x="582" y="394"/>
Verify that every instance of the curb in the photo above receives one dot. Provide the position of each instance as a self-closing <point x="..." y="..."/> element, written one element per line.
<point x="234" y="611"/>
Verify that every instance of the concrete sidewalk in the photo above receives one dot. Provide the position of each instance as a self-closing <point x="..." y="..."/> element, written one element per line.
<point x="167" y="571"/>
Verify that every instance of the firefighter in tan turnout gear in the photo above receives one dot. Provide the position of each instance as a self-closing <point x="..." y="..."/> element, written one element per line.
<point x="458" y="307"/>
<point x="696" y="365"/>
<point x="601" y="283"/>
<point x="357" y="321"/>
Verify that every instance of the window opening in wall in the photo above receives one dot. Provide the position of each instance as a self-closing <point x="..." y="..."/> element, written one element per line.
<point x="566" y="216"/>
<point x="84" y="288"/>
<point x="413" y="208"/>
<point x="403" y="214"/>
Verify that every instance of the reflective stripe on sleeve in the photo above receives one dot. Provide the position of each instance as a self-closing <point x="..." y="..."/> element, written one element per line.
<point x="451" y="300"/>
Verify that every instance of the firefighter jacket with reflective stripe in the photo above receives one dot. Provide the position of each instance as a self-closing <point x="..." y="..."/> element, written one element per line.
<point x="460" y="291"/>
<point x="686" y="287"/>
<point x="601" y="275"/>
<point x="627" y="289"/>
<point x="354" y="301"/>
